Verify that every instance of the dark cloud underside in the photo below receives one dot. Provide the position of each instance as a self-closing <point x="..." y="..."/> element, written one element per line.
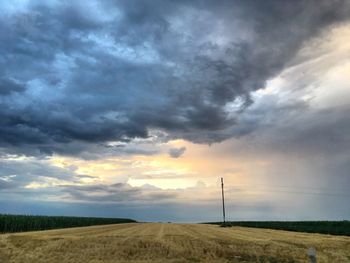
<point x="93" y="72"/>
<point x="177" y="152"/>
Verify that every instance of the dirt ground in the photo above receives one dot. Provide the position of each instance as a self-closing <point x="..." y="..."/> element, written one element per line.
<point x="156" y="242"/>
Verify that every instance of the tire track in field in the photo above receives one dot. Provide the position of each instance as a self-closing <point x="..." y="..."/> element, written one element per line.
<point x="160" y="234"/>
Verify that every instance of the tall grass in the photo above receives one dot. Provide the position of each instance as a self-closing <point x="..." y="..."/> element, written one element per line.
<point x="22" y="223"/>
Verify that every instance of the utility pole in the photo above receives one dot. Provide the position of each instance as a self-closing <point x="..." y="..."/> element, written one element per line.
<point x="223" y="199"/>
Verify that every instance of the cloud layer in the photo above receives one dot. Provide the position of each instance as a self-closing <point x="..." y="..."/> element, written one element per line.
<point x="120" y="89"/>
<point x="114" y="70"/>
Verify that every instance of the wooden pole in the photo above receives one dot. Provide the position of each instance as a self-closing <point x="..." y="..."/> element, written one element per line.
<point x="223" y="199"/>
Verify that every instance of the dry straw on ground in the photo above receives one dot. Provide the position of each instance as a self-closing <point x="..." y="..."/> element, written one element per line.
<point x="155" y="242"/>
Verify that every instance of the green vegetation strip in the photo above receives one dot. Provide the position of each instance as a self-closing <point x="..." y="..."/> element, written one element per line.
<point x="322" y="227"/>
<point x="22" y="223"/>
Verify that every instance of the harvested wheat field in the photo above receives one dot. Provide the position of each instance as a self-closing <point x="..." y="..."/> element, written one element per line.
<point x="156" y="242"/>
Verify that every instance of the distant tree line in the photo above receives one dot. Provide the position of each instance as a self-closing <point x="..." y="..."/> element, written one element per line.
<point x="22" y="223"/>
<point x="322" y="227"/>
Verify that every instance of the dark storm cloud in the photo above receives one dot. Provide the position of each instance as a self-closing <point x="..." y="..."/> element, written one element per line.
<point x="116" y="193"/>
<point x="177" y="152"/>
<point x="112" y="70"/>
<point x="288" y="124"/>
<point x="7" y="86"/>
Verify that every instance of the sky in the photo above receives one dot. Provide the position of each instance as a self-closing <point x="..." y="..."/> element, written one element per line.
<point x="125" y="108"/>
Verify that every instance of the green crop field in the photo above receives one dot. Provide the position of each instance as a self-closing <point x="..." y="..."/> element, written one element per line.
<point x="322" y="227"/>
<point x="23" y="223"/>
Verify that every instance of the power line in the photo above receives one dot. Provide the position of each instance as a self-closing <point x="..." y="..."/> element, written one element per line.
<point x="302" y="192"/>
<point x="294" y="187"/>
<point x="288" y="190"/>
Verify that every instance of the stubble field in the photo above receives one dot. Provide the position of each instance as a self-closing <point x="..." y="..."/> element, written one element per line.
<point x="156" y="242"/>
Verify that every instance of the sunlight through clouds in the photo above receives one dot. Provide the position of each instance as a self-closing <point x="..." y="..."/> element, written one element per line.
<point x="129" y="105"/>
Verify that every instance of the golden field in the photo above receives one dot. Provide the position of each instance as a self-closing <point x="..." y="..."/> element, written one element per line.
<point x="161" y="242"/>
